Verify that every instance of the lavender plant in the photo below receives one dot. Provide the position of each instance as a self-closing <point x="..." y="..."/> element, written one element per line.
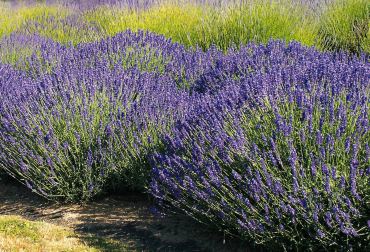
<point x="66" y="30"/>
<point x="68" y="132"/>
<point x="148" y="52"/>
<point x="279" y="155"/>
<point x="31" y="53"/>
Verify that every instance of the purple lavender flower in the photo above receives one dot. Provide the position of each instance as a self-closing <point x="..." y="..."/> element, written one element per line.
<point x="236" y="176"/>
<point x="320" y="234"/>
<point x="232" y="135"/>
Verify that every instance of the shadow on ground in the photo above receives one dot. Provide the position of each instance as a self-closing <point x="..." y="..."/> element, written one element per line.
<point x="118" y="223"/>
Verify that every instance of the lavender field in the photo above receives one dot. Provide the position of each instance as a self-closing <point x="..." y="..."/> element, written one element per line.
<point x="249" y="117"/>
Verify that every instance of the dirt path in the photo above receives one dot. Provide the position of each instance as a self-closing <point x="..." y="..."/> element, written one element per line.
<point x="126" y="219"/>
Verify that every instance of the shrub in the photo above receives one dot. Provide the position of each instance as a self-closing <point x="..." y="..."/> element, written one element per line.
<point x="278" y="156"/>
<point x="17" y="49"/>
<point x="209" y="24"/>
<point x="174" y="21"/>
<point x="84" y="125"/>
<point x="148" y="52"/>
<point x="65" y="30"/>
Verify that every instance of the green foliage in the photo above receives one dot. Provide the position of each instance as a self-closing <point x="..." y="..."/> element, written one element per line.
<point x="205" y="25"/>
<point x="344" y="25"/>
<point x="260" y="22"/>
<point x="20" y="228"/>
<point x="13" y="19"/>
<point x="181" y="23"/>
<point x="19" y="234"/>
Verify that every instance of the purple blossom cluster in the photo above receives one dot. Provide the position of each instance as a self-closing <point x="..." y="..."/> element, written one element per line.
<point x="72" y="122"/>
<point x="142" y="50"/>
<point x="277" y="149"/>
<point x="267" y="142"/>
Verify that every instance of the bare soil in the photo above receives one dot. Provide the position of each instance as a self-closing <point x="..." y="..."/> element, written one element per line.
<point x="123" y="218"/>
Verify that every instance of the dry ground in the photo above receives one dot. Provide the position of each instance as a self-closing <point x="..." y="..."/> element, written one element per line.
<point x="117" y="223"/>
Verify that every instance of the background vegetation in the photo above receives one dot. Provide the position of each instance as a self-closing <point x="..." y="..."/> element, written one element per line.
<point x="329" y="25"/>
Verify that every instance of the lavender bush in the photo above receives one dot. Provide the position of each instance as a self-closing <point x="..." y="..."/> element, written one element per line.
<point x="266" y="142"/>
<point x="191" y="69"/>
<point x="67" y="132"/>
<point x="145" y="51"/>
<point x="278" y="152"/>
<point x="34" y="54"/>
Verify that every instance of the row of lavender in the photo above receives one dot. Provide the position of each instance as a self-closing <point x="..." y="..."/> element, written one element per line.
<point x="279" y="153"/>
<point x="76" y="122"/>
<point x="269" y="143"/>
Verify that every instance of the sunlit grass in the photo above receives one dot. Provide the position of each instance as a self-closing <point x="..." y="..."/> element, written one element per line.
<point x="18" y="234"/>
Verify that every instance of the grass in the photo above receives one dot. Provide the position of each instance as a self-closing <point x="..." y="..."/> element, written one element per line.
<point x="18" y="234"/>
